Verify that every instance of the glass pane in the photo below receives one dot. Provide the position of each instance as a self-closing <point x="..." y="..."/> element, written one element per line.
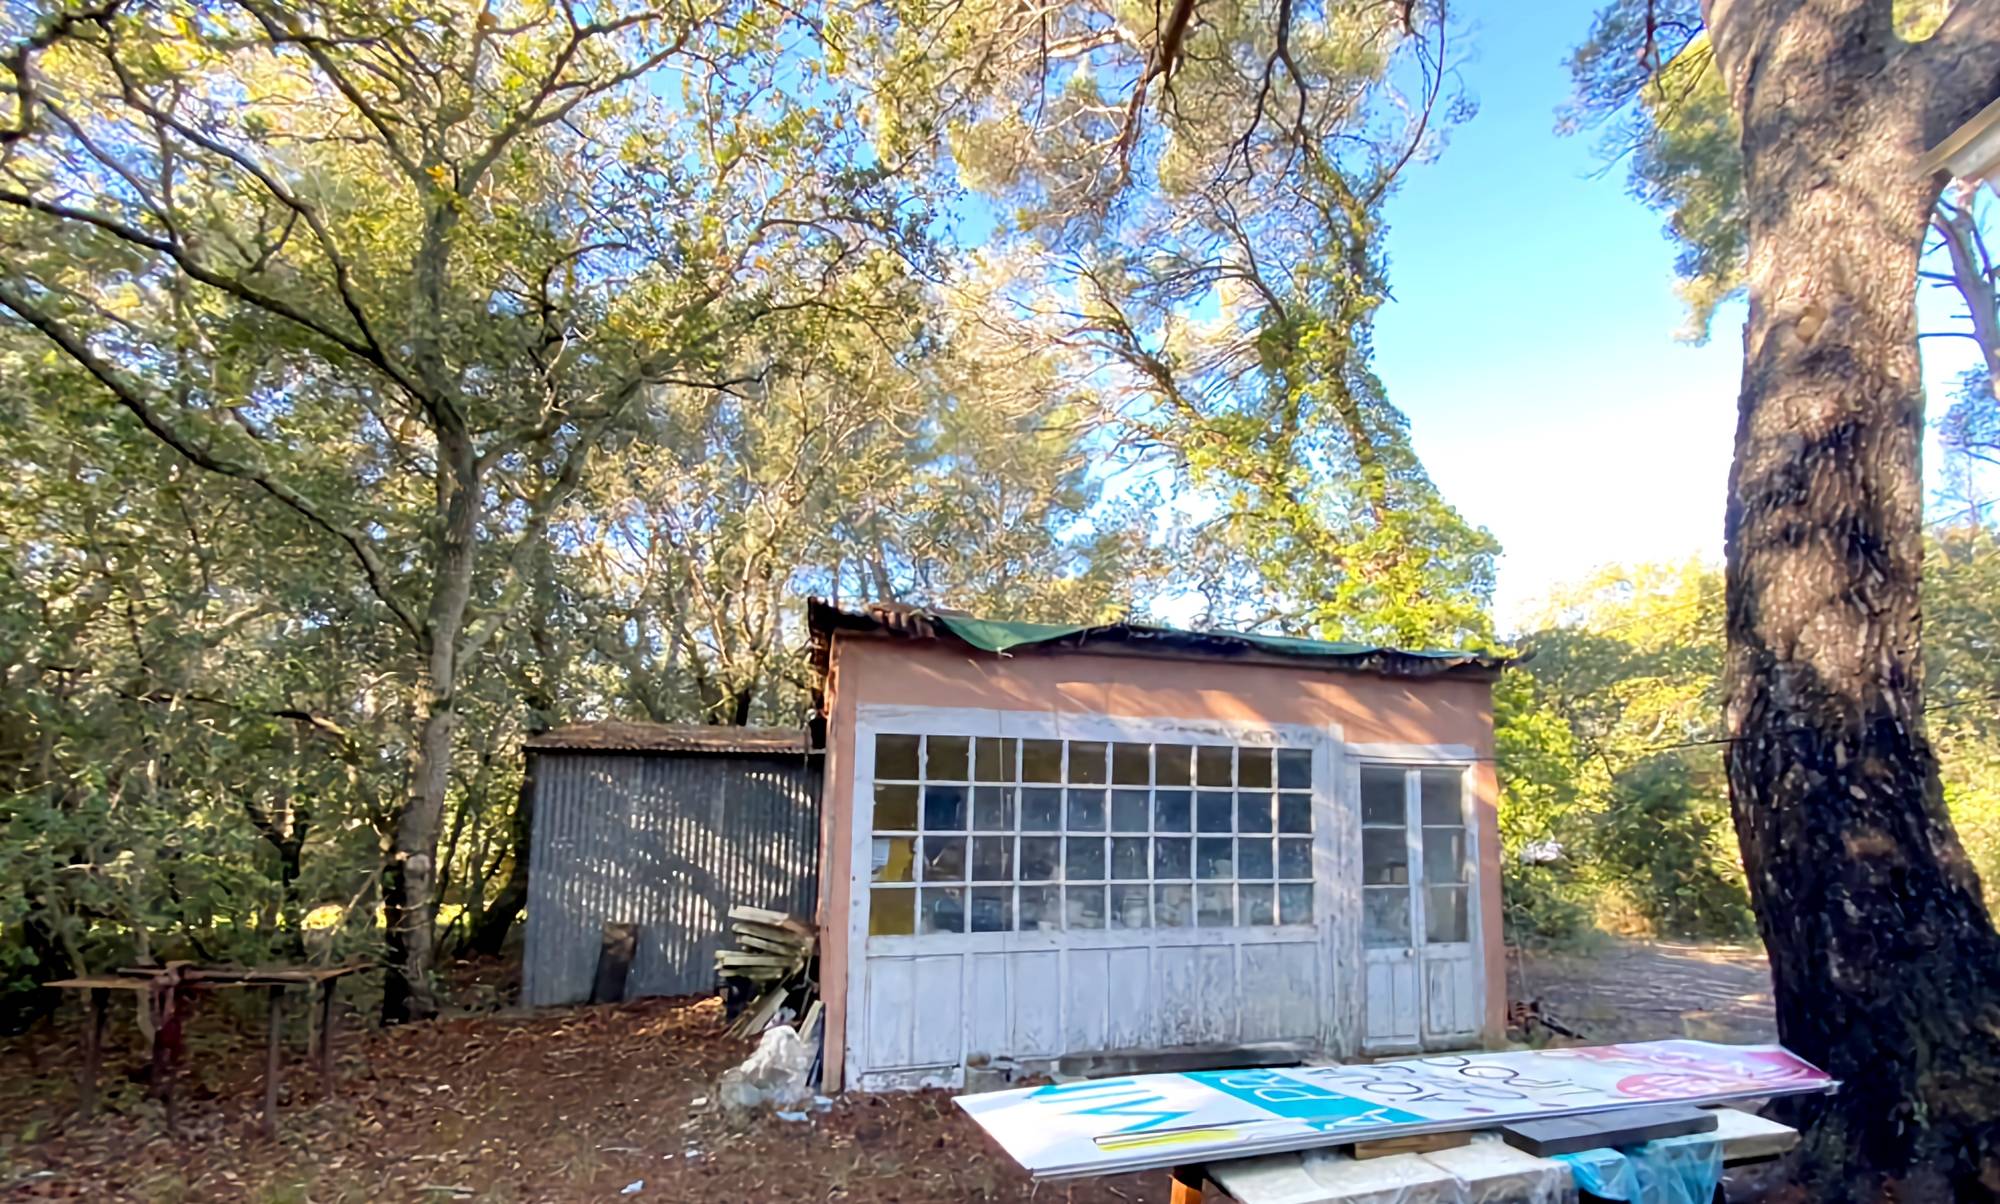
<point x="944" y="858"/>
<point x="1258" y="906"/>
<point x="1128" y="857"/>
<point x="1214" y="764"/>
<point x="1295" y="813"/>
<point x="1215" y="906"/>
<point x="893" y="859"/>
<point x="896" y="757"/>
<point x="1253" y="857"/>
<point x="1172" y="858"/>
<point x="1295" y="859"/>
<point x="992" y="909"/>
<point x="1086" y="762"/>
<point x="1212" y="857"/>
<point x="1086" y="811"/>
<point x="1173" y="906"/>
<point x="947" y="758"/>
<point x="941" y="909"/>
<point x="1128" y="905"/>
<point x="993" y="808"/>
<point x="895" y="808"/>
<point x="1440" y="789"/>
<point x="1253" y="812"/>
<point x="892" y="912"/>
<point x="1295" y="903"/>
<point x="1295" y="769"/>
<point x="1131" y="764"/>
<point x="1444" y="855"/>
<point x="1041" y="858"/>
<point x="1172" y="764"/>
<point x="944" y="808"/>
<point x="1213" y="811"/>
<point x="1253" y="767"/>
<point x="1382" y="795"/>
<point x="1385" y="856"/>
<point x="1385" y="917"/>
<point x="993" y="859"/>
<point x="993" y="758"/>
<point x="1083" y="906"/>
<point x="1041" y="760"/>
<point x="1170" y="810"/>
<point x="1128" y="810"/>
<point x="1041" y="908"/>
<point x="1445" y="915"/>
<point x="1086" y="859"/>
<point x="1041" y="809"/>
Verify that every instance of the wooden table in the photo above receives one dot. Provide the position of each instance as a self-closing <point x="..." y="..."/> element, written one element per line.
<point x="1486" y="1170"/>
<point x="168" y="993"/>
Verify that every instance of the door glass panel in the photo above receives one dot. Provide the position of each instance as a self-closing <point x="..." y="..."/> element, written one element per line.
<point x="1041" y="858"/>
<point x="892" y="912"/>
<point x="993" y="860"/>
<point x="1041" y="908"/>
<point x="994" y="757"/>
<point x="1173" y="764"/>
<point x="1382" y="795"/>
<point x="1041" y="760"/>
<point x="1212" y="857"/>
<point x="1173" y="906"/>
<point x="1131" y="764"/>
<point x="1172" y="858"/>
<point x="1171" y="810"/>
<point x="1128" y="857"/>
<point x="1258" y="908"/>
<point x="1295" y="769"/>
<point x="993" y="808"/>
<point x="1086" y="762"/>
<point x="1128" y="905"/>
<point x="944" y="808"/>
<point x="1385" y="917"/>
<point x="896" y="808"/>
<point x="1253" y="768"/>
<point x="1385" y="856"/>
<point x="894" y="859"/>
<point x="992" y="909"/>
<point x="1295" y="903"/>
<point x="1295" y="813"/>
<point x="1253" y="857"/>
<point x="1212" y="811"/>
<point x="1041" y="810"/>
<point x="947" y="758"/>
<point x="941" y="909"/>
<point x="1086" y="811"/>
<point x="1440" y="790"/>
<point x="896" y="758"/>
<point x="1445" y="918"/>
<point x="944" y="858"/>
<point x="1444" y="855"/>
<point x="1085" y="906"/>
<point x="1086" y="859"/>
<point x="1295" y="859"/>
<point x="1215" y="906"/>
<point x="1213" y="765"/>
<point x="1253" y="812"/>
<point x="1128" y="810"/>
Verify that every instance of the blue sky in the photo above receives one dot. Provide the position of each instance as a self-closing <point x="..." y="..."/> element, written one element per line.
<point x="1531" y="339"/>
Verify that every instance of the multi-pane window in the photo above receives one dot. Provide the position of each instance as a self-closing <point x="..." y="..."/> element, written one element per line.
<point x="1394" y="802"/>
<point x="998" y="834"/>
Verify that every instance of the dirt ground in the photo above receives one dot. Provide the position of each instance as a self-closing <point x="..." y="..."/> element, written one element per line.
<point x="581" y="1103"/>
<point x="1645" y="990"/>
<point x="553" y="1105"/>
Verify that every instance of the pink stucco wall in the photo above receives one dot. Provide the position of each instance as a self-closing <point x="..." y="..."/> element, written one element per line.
<point x="1368" y="709"/>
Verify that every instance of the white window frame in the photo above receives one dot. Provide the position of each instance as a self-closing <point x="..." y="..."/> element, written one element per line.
<point x="1332" y="804"/>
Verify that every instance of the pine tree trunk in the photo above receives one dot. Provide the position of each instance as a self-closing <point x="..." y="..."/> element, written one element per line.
<point x="1885" y="963"/>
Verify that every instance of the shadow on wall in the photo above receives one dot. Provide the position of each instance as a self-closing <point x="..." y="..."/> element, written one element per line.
<point x="669" y="842"/>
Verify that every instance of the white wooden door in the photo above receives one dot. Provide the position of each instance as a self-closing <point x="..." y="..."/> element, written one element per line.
<point x="1421" y="964"/>
<point x="1388" y="910"/>
<point x="1030" y="886"/>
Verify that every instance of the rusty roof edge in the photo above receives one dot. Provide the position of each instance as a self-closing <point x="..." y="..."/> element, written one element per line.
<point x="622" y="735"/>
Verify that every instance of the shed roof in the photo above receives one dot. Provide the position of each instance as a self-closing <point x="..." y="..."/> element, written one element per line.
<point x="620" y="735"/>
<point x="999" y="636"/>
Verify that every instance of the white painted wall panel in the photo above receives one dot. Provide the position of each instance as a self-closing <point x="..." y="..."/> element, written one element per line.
<point x="937" y="1024"/>
<point x="1282" y="996"/>
<point x="1129" y="1016"/>
<point x="1086" y="998"/>
<point x="1037" y="1003"/>
<point x="989" y="1021"/>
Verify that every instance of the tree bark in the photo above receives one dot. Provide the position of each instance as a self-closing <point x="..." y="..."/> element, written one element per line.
<point x="409" y="879"/>
<point x="489" y="933"/>
<point x="1884" y="960"/>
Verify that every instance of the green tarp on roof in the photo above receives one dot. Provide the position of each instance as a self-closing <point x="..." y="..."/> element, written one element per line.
<point x="993" y="635"/>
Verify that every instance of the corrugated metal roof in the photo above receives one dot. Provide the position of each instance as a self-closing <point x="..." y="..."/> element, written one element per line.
<point x="620" y="735"/>
<point x="988" y="635"/>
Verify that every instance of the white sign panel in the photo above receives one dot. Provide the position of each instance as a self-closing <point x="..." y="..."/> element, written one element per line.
<point x="1140" y="1122"/>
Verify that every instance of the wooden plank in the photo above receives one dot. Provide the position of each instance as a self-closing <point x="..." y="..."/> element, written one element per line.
<point x="1608" y="1130"/>
<point x="1188" y="1183"/>
<point x="777" y="919"/>
<point x="1747" y="1137"/>
<point x="274" y="1037"/>
<point x="1423" y="1143"/>
<point x="614" y="962"/>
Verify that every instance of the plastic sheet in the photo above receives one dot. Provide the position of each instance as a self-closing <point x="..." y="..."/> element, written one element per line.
<point x="1485" y="1172"/>
<point x="1673" y="1170"/>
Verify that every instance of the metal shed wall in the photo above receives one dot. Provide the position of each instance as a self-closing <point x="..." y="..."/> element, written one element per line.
<point x="667" y="841"/>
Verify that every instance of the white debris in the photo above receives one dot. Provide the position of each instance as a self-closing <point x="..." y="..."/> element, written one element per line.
<point x="773" y="1075"/>
<point x="633" y="1188"/>
<point x="791" y="1116"/>
<point x="697" y="1101"/>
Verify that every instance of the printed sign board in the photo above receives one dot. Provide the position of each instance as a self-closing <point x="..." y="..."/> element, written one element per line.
<point x="1142" y="1122"/>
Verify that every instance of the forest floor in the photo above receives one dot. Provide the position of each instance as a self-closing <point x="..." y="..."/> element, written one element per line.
<point x="571" y="1104"/>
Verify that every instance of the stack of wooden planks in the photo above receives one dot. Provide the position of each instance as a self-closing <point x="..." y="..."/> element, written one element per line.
<point x="775" y="957"/>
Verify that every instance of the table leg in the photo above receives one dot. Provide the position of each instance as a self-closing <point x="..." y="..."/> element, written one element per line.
<point x="94" y="1001"/>
<point x="326" y="1022"/>
<point x="274" y="1035"/>
<point x="1188" y="1182"/>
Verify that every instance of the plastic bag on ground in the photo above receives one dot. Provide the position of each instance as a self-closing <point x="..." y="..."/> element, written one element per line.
<point x="1673" y="1170"/>
<point x="774" y="1075"/>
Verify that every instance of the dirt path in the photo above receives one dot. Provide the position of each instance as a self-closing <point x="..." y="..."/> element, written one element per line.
<point x="1633" y="990"/>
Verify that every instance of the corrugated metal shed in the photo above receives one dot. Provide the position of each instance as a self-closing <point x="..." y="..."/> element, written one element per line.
<point x="666" y="828"/>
